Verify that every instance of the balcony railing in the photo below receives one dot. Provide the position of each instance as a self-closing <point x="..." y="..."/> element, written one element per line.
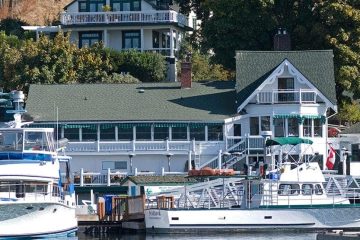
<point x="286" y="96"/>
<point x="182" y="147"/>
<point x="123" y="17"/>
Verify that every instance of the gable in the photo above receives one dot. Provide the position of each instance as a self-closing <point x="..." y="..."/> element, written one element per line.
<point x="254" y="67"/>
<point x="270" y="82"/>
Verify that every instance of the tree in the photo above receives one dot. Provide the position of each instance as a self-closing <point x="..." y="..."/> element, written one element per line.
<point x="237" y="25"/>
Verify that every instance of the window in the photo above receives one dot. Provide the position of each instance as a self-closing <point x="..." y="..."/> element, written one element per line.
<point x="355" y="152"/>
<point x="286" y="84"/>
<point x="307" y="189"/>
<point x="125" y="5"/>
<point x="194" y="23"/>
<point x="265" y="123"/>
<point x="143" y="133"/>
<point x="72" y="134"/>
<point x="215" y="133"/>
<point x="307" y="127"/>
<point x="107" y="134"/>
<point x="179" y="133"/>
<point x="155" y="36"/>
<point x="125" y="133"/>
<point x="89" y="134"/>
<point x="279" y="127"/>
<point x="131" y="39"/>
<point x="165" y="43"/>
<point x="114" y="165"/>
<point x="254" y="126"/>
<point x="293" y="127"/>
<point x="197" y="133"/>
<point x="237" y="130"/>
<point x="161" y="133"/>
<point x="289" y="189"/>
<point x="318" y="189"/>
<point x="87" y="39"/>
<point x="13" y="141"/>
<point x="91" y="5"/>
<point x="317" y="128"/>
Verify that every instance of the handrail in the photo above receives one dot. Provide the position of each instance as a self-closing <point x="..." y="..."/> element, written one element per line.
<point x="158" y="16"/>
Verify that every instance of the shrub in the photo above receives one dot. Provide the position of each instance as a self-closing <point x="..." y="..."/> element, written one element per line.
<point x="147" y="67"/>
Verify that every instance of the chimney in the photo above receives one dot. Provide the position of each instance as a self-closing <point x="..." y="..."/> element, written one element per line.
<point x="282" y="41"/>
<point x="186" y="72"/>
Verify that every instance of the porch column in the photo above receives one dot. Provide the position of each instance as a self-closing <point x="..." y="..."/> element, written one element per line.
<point x="171" y="42"/>
<point x="105" y="37"/>
<point x="189" y="161"/>
<point x="142" y="39"/>
<point x="177" y="40"/>
<point x="219" y="159"/>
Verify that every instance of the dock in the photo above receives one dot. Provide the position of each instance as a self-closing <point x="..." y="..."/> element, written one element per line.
<point x="338" y="235"/>
<point x="114" y="215"/>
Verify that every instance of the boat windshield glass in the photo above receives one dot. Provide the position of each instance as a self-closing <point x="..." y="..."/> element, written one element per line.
<point x="38" y="141"/>
<point x="11" y="141"/>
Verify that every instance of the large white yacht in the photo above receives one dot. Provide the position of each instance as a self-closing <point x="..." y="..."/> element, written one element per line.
<point x="34" y="202"/>
<point x="293" y="196"/>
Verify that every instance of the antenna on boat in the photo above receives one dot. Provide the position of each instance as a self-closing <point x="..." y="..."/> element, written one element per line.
<point x="17" y="98"/>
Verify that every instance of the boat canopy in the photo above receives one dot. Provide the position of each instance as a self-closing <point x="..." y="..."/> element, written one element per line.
<point x="287" y="141"/>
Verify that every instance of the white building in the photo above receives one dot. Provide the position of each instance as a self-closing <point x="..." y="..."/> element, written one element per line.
<point x="157" y="127"/>
<point x="144" y="25"/>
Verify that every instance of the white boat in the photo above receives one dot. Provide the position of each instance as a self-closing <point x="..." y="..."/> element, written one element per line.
<point x="290" y="197"/>
<point x="34" y="202"/>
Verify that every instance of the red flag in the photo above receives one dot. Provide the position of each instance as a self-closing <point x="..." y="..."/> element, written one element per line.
<point x="330" y="161"/>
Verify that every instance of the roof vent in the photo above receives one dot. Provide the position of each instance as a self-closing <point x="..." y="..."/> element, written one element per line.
<point x="141" y="90"/>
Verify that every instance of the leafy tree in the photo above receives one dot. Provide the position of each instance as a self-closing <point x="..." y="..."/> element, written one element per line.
<point x="237" y="25"/>
<point x="12" y="26"/>
<point x="350" y="112"/>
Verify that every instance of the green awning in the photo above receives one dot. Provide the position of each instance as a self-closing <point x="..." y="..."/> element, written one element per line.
<point x="287" y="141"/>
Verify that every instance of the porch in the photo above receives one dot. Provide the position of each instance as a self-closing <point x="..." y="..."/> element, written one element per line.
<point x="143" y="17"/>
<point x="301" y="96"/>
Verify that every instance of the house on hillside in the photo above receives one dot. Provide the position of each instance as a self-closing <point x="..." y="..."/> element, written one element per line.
<point x="143" y="25"/>
<point x="173" y="127"/>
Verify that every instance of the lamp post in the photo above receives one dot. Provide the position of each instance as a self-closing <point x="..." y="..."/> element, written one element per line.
<point x="168" y="155"/>
<point x="131" y="156"/>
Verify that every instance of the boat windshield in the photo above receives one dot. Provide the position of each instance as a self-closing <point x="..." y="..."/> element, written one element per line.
<point x="11" y="141"/>
<point x="38" y="141"/>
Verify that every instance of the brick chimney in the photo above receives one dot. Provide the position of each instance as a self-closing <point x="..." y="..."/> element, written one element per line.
<point x="282" y="41"/>
<point x="186" y="73"/>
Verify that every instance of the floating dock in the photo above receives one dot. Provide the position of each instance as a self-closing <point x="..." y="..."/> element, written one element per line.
<point x="115" y="215"/>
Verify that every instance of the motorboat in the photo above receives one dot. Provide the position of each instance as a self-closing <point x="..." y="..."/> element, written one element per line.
<point x="289" y="196"/>
<point x="37" y="198"/>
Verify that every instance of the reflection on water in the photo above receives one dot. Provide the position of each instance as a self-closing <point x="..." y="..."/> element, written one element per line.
<point x="228" y="236"/>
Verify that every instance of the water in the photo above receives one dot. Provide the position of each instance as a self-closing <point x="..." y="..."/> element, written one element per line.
<point x="228" y="236"/>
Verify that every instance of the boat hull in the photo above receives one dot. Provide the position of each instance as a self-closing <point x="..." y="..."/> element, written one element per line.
<point x="299" y="219"/>
<point x="27" y="220"/>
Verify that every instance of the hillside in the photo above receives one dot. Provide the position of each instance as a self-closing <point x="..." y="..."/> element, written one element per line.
<point x="34" y="12"/>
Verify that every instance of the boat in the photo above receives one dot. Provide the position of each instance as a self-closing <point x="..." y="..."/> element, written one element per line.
<point x="289" y="196"/>
<point x="35" y="201"/>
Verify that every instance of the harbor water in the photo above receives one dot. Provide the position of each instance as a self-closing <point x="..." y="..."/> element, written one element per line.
<point x="232" y="236"/>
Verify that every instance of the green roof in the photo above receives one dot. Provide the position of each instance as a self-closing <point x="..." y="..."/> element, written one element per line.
<point x="204" y="102"/>
<point x="253" y="67"/>
<point x="144" y="180"/>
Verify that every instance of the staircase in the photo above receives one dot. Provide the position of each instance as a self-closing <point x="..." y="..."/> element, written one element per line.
<point x="239" y="148"/>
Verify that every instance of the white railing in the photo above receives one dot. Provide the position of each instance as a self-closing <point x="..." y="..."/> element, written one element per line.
<point x="286" y="96"/>
<point x="241" y="145"/>
<point x="80" y="18"/>
<point x="183" y="147"/>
